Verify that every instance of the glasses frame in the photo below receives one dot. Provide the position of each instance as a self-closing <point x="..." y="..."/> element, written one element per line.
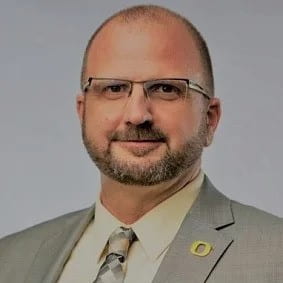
<point x="191" y="84"/>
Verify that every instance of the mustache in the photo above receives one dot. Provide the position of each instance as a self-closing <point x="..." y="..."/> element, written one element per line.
<point x="139" y="134"/>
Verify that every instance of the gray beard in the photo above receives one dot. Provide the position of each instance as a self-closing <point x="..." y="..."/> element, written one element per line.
<point x="171" y="165"/>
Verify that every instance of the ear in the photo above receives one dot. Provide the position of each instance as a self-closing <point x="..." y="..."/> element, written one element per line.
<point x="80" y="104"/>
<point x="213" y="115"/>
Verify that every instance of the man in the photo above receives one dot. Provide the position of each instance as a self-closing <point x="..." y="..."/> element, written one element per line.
<point x="147" y="110"/>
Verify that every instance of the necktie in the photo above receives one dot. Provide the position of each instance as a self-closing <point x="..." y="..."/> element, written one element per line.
<point x="111" y="271"/>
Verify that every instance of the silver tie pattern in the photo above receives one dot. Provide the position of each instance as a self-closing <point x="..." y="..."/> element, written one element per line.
<point x="111" y="271"/>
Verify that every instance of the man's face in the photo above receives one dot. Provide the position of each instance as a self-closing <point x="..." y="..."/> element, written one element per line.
<point x="141" y="142"/>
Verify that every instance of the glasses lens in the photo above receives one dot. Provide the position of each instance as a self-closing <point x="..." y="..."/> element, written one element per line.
<point x="110" y="88"/>
<point x="169" y="89"/>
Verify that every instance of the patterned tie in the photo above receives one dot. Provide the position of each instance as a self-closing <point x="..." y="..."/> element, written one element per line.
<point x="111" y="271"/>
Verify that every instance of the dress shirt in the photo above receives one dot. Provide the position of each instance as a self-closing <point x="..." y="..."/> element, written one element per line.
<point x="155" y="231"/>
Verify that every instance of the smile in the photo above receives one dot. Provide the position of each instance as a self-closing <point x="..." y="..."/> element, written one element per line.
<point x="146" y="145"/>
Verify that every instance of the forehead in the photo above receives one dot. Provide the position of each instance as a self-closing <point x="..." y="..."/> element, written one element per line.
<point x="144" y="50"/>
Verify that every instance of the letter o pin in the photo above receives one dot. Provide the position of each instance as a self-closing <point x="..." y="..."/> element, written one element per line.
<point x="201" y="248"/>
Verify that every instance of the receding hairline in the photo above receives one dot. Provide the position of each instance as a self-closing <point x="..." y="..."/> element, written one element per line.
<point x="157" y="14"/>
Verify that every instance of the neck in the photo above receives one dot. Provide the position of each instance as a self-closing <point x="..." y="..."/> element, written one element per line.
<point x="129" y="203"/>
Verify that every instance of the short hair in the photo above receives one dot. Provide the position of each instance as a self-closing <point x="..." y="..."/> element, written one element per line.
<point x="157" y="14"/>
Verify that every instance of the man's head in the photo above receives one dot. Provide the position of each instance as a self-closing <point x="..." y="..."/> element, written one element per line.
<point x="153" y="14"/>
<point x="139" y="140"/>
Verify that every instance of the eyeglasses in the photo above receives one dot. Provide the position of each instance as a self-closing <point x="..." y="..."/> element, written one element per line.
<point x="160" y="89"/>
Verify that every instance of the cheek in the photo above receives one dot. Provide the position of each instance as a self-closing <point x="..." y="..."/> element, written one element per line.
<point x="99" y="123"/>
<point x="179" y="125"/>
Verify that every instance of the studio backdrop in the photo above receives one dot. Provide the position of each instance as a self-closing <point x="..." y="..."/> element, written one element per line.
<point x="44" y="169"/>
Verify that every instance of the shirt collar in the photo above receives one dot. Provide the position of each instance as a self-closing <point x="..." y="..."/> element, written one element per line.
<point x="156" y="229"/>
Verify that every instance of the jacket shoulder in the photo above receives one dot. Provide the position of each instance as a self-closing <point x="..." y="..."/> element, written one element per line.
<point x="256" y="228"/>
<point x="33" y="237"/>
<point x="19" y="250"/>
<point x="246" y="215"/>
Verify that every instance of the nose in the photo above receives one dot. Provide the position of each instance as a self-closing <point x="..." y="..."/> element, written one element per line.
<point x="137" y="109"/>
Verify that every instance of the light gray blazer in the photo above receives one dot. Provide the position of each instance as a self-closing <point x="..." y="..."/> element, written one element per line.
<point x="247" y="245"/>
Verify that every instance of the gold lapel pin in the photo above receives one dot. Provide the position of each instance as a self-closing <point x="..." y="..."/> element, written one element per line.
<point x="201" y="248"/>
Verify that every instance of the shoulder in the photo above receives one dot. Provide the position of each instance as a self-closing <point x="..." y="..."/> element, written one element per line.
<point x="35" y="235"/>
<point x="19" y="250"/>
<point x="246" y="215"/>
<point x="240" y="215"/>
<point x="257" y="230"/>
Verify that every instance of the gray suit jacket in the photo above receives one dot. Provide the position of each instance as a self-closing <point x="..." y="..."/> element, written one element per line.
<point x="247" y="245"/>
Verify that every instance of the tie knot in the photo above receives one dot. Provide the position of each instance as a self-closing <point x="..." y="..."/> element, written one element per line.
<point x="120" y="241"/>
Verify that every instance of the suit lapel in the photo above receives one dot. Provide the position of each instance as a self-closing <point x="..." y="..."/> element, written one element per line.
<point x="55" y="251"/>
<point x="210" y="213"/>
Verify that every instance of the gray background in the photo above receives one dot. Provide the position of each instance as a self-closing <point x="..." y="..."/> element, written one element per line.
<point x="44" y="170"/>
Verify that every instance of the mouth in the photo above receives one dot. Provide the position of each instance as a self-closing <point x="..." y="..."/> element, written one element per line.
<point x="140" y="147"/>
<point x="141" y="141"/>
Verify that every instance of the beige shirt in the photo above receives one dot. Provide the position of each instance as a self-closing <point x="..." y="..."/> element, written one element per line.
<point x="155" y="231"/>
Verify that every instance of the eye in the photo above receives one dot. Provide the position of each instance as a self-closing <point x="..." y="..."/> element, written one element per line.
<point x="165" y="91"/>
<point x="164" y="88"/>
<point x="117" y="88"/>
